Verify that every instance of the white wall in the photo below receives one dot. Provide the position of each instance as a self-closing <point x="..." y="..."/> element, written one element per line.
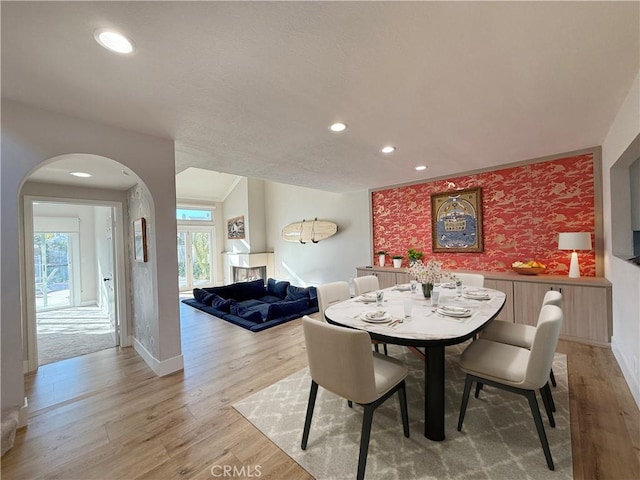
<point x="235" y="205"/>
<point x="31" y="136"/>
<point x="335" y="258"/>
<point x="624" y="276"/>
<point x="256" y="216"/>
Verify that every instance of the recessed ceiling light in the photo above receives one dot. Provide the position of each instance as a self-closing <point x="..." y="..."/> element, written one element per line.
<point x="388" y="149"/>
<point x="114" y="41"/>
<point x="80" y="174"/>
<point x="338" y="127"/>
<point x="421" y="167"/>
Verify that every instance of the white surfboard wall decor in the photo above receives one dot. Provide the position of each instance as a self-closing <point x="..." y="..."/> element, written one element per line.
<point x="309" y="231"/>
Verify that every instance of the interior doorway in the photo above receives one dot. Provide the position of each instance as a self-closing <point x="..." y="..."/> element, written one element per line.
<point x="74" y="272"/>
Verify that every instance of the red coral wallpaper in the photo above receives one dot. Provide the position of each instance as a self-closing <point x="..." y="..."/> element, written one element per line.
<point x="524" y="208"/>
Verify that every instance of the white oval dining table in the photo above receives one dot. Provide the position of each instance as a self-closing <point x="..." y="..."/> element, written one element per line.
<point x="426" y="328"/>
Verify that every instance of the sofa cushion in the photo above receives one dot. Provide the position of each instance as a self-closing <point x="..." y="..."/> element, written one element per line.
<point x="240" y="291"/>
<point x="270" y="299"/>
<point x="207" y="299"/>
<point x="222" y="304"/>
<point x="313" y="297"/>
<point x="296" y="293"/>
<point x="250" y="303"/>
<point x="252" y="315"/>
<point x="199" y="294"/>
<point x="277" y="289"/>
<point x="286" y="308"/>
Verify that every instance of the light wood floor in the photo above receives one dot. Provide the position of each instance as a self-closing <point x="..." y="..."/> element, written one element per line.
<point x="107" y="416"/>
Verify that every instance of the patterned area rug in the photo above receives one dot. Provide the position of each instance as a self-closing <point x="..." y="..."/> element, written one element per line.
<point x="498" y="438"/>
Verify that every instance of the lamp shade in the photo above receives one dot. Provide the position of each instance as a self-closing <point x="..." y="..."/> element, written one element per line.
<point x="574" y="241"/>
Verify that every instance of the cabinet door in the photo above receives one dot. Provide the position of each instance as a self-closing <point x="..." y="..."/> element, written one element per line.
<point x="585" y="308"/>
<point x="386" y="279"/>
<point x="527" y="301"/>
<point x="402" y="278"/>
<point x="505" y="286"/>
<point x="585" y="312"/>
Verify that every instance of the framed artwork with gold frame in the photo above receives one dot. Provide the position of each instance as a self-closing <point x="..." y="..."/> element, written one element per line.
<point x="456" y="221"/>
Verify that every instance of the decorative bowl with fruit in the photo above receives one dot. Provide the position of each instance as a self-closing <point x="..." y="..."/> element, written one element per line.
<point x="528" y="268"/>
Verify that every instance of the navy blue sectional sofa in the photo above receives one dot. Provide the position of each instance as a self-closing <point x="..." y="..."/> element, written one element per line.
<point x="254" y="305"/>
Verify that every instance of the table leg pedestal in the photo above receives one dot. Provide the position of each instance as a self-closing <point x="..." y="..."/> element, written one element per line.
<point x="434" y="394"/>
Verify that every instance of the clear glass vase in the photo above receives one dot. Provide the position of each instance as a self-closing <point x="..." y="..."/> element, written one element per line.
<point x="427" y="288"/>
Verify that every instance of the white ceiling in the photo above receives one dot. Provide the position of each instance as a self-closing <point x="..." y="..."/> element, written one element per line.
<point x="249" y="88"/>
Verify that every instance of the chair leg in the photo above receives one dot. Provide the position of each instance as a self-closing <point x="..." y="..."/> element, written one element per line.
<point x="535" y="411"/>
<point x="465" y="400"/>
<point x="307" y="423"/>
<point x="553" y="378"/>
<point x="375" y="347"/>
<point x="385" y="349"/>
<point x="364" y="440"/>
<point x="402" y="397"/>
<point x="479" y="386"/>
<point x="350" y="403"/>
<point x="545" y="393"/>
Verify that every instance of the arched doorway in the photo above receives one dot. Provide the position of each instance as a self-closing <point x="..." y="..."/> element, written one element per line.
<point x="74" y="258"/>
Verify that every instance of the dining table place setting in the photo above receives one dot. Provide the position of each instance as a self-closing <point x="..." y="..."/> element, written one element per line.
<point x="366" y="298"/>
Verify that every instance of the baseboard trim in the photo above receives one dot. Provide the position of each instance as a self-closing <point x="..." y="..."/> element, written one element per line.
<point x="627" y="371"/>
<point x="23" y="414"/>
<point x="160" y="367"/>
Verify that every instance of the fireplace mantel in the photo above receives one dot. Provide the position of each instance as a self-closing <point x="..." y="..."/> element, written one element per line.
<point x="246" y="260"/>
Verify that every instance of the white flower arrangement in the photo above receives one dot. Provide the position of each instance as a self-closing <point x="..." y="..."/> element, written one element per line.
<point x="429" y="273"/>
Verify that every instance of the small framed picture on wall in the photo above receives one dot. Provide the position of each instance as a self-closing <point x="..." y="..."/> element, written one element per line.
<point x="235" y="228"/>
<point x="140" y="240"/>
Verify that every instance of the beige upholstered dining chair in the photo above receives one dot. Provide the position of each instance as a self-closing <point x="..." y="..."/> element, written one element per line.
<point x="366" y="284"/>
<point x="341" y="361"/>
<point x="330" y="293"/>
<point x="519" y="334"/>
<point x="334" y="292"/>
<point x="516" y="369"/>
<point x="470" y="279"/>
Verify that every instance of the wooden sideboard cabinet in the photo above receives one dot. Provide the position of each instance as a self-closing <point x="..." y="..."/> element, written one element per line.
<point x="587" y="304"/>
<point x="387" y="276"/>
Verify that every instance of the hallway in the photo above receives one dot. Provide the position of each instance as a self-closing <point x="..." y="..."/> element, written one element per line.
<point x="71" y="332"/>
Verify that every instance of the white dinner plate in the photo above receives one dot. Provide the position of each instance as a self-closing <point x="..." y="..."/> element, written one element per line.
<point x="376" y="317"/>
<point x="403" y="288"/>
<point x="476" y="295"/>
<point x="459" y="312"/>
<point x="368" y="298"/>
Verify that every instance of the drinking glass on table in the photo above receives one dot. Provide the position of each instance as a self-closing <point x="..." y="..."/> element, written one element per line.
<point x="379" y="297"/>
<point x="435" y="295"/>
<point x="414" y="286"/>
<point x="408" y="306"/>
<point x="458" y="287"/>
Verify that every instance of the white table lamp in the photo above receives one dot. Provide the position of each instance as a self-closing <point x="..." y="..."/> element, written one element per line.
<point x="574" y="241"/>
